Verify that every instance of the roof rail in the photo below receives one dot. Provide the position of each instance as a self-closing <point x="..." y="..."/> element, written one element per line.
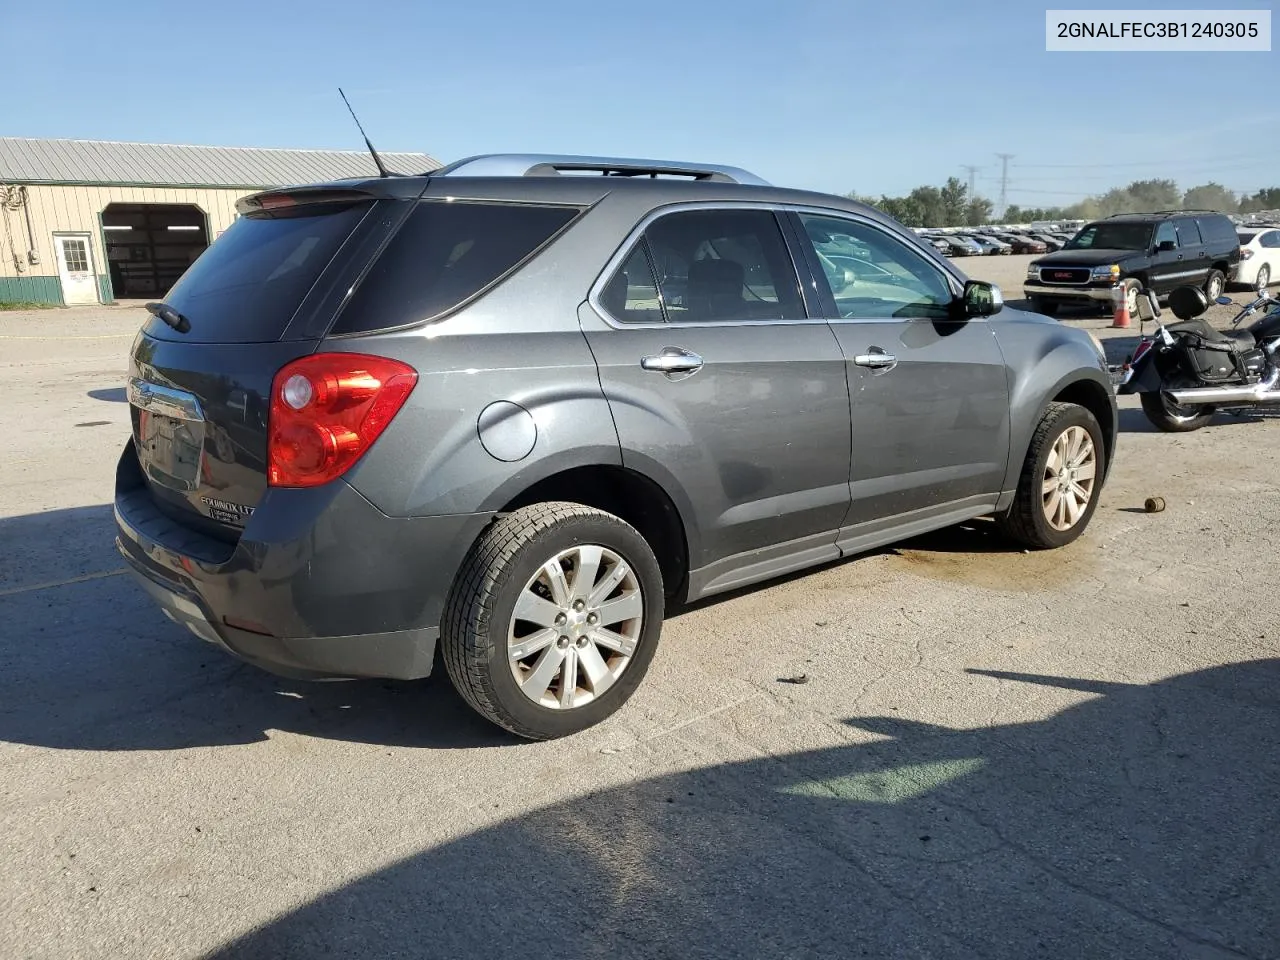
<point x="551" y="165"/>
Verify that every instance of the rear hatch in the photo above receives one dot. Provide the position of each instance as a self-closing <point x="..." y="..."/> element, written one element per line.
<point x="259" y="297"/>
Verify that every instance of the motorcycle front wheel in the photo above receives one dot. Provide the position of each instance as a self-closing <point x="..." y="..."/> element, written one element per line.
<point x="1172" y="417"/>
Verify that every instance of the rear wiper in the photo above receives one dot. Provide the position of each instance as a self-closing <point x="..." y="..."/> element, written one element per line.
<point x="170" y="316"/>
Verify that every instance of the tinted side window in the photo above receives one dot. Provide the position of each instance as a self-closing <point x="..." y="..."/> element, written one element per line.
<point x="632" y="294"/>
<point x="873" y="274"/>
<point x="724" y="266"/>
<point x="445" y="254"/>
<point x="1271" y="239"/>
<point x="1188" y="234"/>
<point x="1165" y="233"/>
<point x="1218" y="230"/>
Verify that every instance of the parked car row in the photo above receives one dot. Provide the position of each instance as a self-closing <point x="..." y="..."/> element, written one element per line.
<point x="990" y="242"/>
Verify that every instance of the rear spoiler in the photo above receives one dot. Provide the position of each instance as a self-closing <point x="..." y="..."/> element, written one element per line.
<point x="290" y="197"/>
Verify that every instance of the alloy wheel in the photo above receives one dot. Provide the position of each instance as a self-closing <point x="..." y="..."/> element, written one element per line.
<point x="1069" y="477"/>
<point x="575" y="627"/>
<point x="1215" y="288"/>
<point x="1264" y="276"/>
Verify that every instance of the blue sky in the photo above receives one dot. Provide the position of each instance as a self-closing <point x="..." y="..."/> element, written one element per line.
<point x="835" y="95"/>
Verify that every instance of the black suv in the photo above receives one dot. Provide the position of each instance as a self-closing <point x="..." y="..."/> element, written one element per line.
<point x="1155" y="251"/>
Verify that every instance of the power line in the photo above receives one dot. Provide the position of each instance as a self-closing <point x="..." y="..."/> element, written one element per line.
<point x="1139" y="163"/>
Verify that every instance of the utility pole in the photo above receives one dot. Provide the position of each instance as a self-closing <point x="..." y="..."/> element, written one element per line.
<point x="1004" y="181"/>
<point x="972" y="178"/>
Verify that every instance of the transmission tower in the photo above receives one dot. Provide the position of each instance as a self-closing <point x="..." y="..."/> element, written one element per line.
<point x="1004" y="181"/>
<point x="972" y="171"/>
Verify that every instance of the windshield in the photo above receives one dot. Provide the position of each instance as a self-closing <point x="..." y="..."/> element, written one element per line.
<point x="1112" y="236"/>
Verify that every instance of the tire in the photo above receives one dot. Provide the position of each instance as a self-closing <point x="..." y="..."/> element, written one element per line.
<point x="479" y="625"/>
<point x="1214" y="284"/>
<point x="1132" y="291"/>
<point x="1263" y="278"/>
<point x="1165" y="415"/>
<point x="1032" y="518"/>
<point x="1047" y="307"/>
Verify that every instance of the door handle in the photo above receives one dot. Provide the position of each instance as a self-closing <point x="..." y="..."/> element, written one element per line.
<point x="672" y="360"/>
<point x="878" y="360"/>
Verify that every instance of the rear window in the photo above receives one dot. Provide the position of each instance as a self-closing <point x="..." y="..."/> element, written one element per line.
<point x="445" y="254"/>
<point x="247" y="286"/>
<point x="1246" y="238"/>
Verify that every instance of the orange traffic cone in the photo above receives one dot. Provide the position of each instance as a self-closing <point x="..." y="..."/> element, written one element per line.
<point x="1122" y="307"/>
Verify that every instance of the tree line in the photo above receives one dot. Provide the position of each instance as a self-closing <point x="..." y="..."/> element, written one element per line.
<point x="951" y="206"/>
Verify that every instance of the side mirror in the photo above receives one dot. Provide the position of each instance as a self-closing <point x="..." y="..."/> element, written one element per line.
<point x="1166" y="246"/>
<point x="982" y="299"/>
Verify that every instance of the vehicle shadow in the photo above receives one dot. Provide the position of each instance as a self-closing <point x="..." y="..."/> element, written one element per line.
<point x="88" y="662"/>
<point x="1140" y="821"/>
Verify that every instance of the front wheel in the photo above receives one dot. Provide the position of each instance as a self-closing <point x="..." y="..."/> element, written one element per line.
<point x="553" y="619"/>
<point x="1060" y="481"/>
<point x="1171" y="417"/>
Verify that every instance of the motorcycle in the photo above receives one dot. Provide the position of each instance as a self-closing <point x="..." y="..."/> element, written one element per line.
<point x="1188" y="370"/>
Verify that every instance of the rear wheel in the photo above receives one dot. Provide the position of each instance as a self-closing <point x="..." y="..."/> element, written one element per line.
<point x="1214" y="284"/>
<point x="553" y="619"/>
<point x="1061" y="477"/>
<point x="1264" y="276"/>
<point x="1172" y="417"/>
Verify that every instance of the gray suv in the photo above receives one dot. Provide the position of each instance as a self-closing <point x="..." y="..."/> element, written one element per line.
<point x="515" y="407"/>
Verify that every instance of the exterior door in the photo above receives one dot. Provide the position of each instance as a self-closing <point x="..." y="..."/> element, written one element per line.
<point x="1167" y="270"/>
<point x="723" y="389"/>
<point x="1193" y="253"/>
<point x="928" y="392"/>
<point x="75" y="269"/>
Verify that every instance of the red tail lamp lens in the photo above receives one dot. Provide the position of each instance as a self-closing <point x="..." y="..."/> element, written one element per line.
<point x="327" y="410"/>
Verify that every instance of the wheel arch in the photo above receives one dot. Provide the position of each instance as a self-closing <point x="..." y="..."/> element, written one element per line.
<point x="1065" y="370"/>
<point x="628" y="494"/>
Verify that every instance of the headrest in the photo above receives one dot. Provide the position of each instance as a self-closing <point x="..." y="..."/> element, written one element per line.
<point x="726" y="274"/>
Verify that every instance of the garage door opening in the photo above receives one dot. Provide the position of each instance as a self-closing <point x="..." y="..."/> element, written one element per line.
<point x="150" y="245"/>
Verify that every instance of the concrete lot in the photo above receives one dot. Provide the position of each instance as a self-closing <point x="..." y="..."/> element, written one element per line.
<point x="997" y="754"/>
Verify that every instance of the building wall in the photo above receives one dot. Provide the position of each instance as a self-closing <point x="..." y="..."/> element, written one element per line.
<point x="77" y="209"/>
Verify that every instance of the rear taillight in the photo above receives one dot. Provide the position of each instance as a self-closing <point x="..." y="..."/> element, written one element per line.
<point x="326" y="411"/>
<point x="1245" y="253"/>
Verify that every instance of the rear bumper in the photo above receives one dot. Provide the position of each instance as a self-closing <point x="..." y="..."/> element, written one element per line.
<point x="1067" y="294"/>
<point x="321" y="584"/>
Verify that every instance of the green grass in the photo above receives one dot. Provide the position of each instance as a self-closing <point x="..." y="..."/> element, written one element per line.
<point x="27" y="305"/>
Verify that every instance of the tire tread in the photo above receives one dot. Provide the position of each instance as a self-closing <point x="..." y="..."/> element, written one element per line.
<point x="1019" y="521"/>
<point x="465" y="638"/>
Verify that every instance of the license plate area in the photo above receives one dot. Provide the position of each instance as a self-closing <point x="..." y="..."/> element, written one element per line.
<point x="170" y="431"/>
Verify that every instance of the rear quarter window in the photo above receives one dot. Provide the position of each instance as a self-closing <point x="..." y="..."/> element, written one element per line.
<point x="1218" y="230"/>
<point x="446" y="254"/>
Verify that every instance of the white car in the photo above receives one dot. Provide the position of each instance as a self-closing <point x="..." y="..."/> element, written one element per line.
<point x="1259" y="256"/>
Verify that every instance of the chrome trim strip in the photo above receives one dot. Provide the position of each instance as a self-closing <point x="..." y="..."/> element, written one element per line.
<point x="633" y="238"/>
<point x="164" y="401"/>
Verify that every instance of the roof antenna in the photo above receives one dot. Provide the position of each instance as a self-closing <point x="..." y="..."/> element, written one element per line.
<point x="377" y="160"/>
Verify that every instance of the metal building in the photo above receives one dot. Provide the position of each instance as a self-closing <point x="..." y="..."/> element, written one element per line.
<point x="92" y="221"/>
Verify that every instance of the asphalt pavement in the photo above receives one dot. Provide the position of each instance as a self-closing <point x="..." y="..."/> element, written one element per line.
<point x="995" y="753"/>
